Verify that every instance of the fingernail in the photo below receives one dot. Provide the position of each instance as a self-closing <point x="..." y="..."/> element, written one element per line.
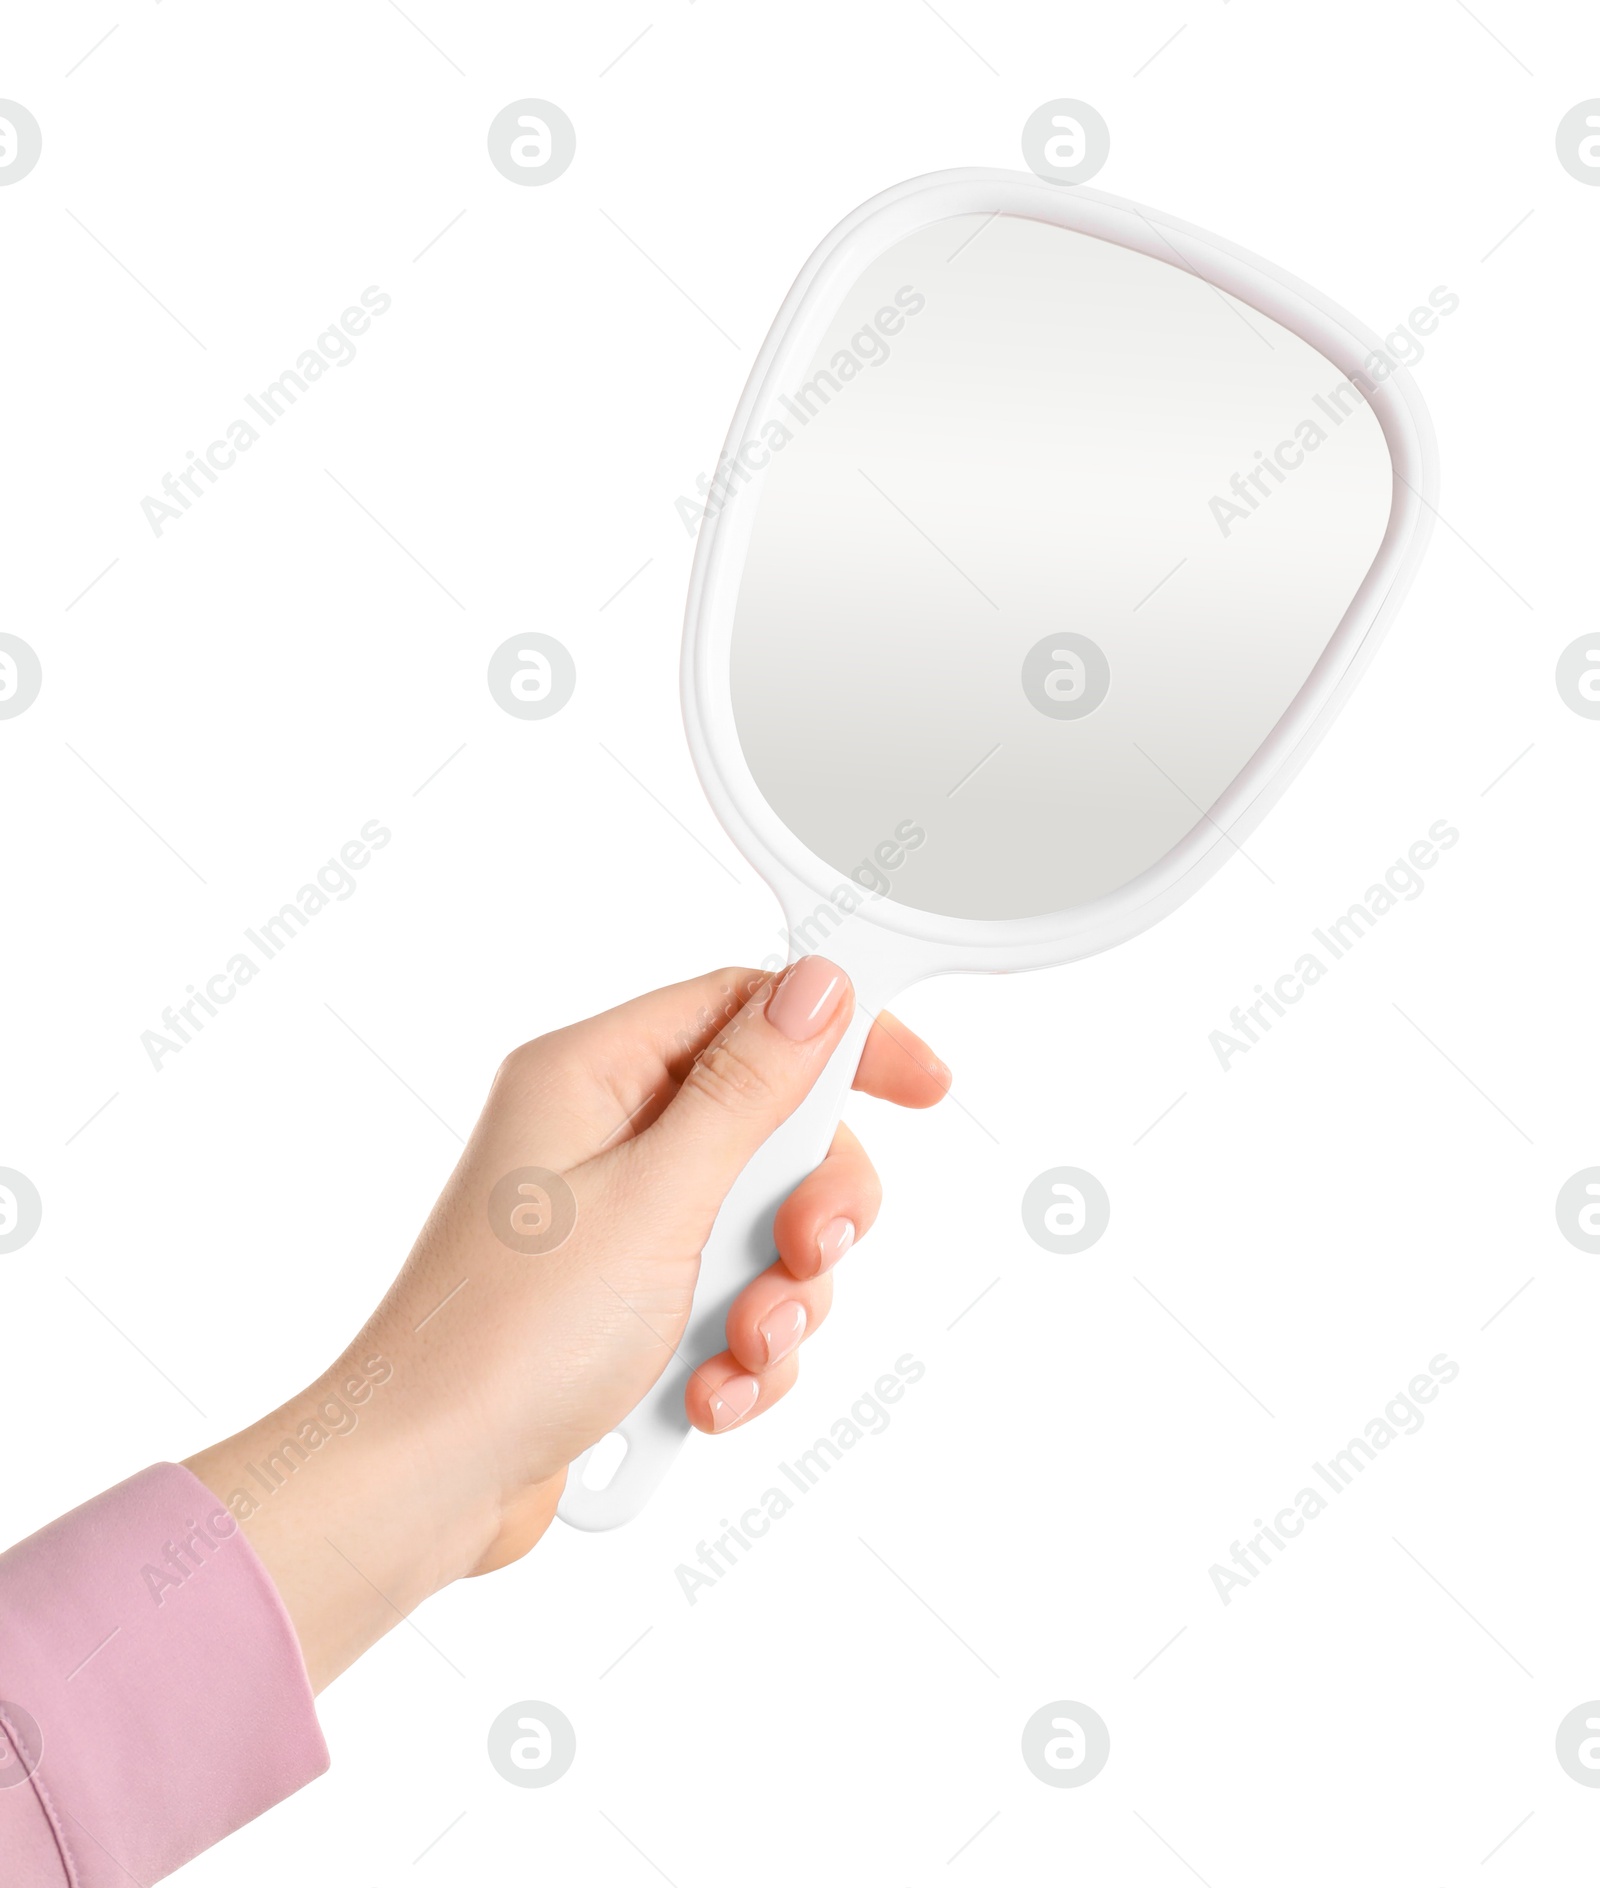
<point x="802" y="1006"/>
<point x="834" y="1241"/>
<point x="782" y="1328"/>
<point x="736" y="1398"/>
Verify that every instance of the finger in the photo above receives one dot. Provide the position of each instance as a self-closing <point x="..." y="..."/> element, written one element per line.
<point x="898" y="1066"/>
<point x="598" y="1082"/>
<point x="677" y="1022"/>
<point x="651" y="1041"/>
<point x="774" y="1315"/>
<point x="829" y="1211"/>
<point x="722" y="1395"/>
<point x="749" y="1079"/>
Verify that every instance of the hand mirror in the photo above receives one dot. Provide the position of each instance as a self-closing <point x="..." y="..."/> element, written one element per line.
<point x="1049" y="537"/>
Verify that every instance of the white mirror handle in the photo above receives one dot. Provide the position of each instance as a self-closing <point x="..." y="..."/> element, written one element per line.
<point x="740" y="1248"/>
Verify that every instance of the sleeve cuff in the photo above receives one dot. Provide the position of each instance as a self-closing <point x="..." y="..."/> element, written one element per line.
<point x="146" y="1643"/>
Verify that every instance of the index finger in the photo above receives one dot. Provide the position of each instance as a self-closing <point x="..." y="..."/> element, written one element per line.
<point x="898" y="1066"/>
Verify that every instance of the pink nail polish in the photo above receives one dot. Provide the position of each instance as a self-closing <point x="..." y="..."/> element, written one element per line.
<point x="782" y="1328"/>
<point x="803" y="1005"/>
<point x="736" y="1398"/>
<point x="834" y="1241"/>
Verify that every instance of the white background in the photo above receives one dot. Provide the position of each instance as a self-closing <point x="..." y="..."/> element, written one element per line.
<point x="1339" y="1207"/>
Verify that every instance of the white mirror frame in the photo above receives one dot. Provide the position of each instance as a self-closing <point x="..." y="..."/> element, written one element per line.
<point x="914" y="944"/>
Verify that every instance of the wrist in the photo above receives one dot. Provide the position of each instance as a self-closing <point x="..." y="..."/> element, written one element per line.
<point x="355" y="1505"/>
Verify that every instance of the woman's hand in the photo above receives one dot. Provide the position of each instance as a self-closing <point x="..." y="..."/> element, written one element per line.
<point x="487" y="1369"/>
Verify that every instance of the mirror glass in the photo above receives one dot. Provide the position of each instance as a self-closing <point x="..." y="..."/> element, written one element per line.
<point x="1055" y="535"/>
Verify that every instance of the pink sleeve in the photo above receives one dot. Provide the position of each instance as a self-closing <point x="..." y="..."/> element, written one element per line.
<point x="152" y="1693"/>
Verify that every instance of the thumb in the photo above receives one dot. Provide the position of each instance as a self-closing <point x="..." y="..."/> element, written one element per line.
<point x="754" y="1074"/>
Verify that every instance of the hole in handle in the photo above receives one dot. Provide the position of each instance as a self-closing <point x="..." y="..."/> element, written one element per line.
<point x="604" y="1460"/>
